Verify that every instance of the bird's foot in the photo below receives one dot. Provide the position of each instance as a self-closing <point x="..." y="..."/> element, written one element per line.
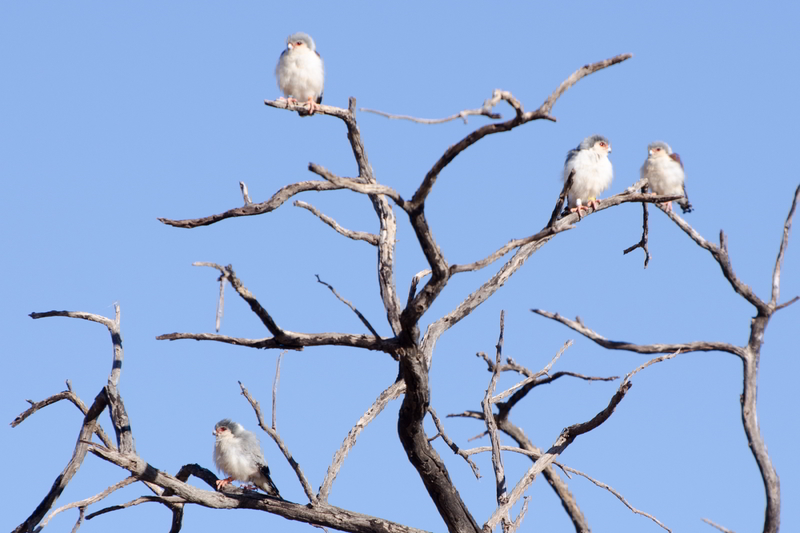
<point x="223" y="482"/>
<point x="593" y="203"/>
<point x="667" y="206"/>
<point x="249" y="486"/>
<point x="578" y="208"/>
<point x="312" y="106"/>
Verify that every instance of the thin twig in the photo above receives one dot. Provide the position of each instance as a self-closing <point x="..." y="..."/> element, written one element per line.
<point x="776" y="273"/>
<point x="453" y="446"/>
<point x="710" y="523"/>
<point x="643" y="242"/>
<point x="461" y="114"/>
<point x="351" y="306"/>
<point x="275" y="391"/>
<point x="394" y="391"/>
<point x="355" y="235"/>
<point x="88" y="501"/>
<point x="567" y="436"/>
<point x="245" y="195"/>
<point x="491" y="425"/>
<point x="273" y="433"/>
<point x="506" y="393"/>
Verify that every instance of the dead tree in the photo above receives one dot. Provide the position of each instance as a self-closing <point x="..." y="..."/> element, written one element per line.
<point x="412" y="350"/>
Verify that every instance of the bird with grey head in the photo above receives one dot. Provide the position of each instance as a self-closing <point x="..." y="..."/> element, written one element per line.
<point x="664" y="172"/>
<point x="592" y="172"/>
<point x="300" y="71"/>
<point x="237" y="453"/>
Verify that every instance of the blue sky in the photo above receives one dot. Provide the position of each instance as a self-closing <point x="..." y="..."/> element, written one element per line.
<point x="115" y="115"/>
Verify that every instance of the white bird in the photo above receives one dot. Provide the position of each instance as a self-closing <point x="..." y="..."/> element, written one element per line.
<point x="664" y="172"/>
<point x="300" y="72"/>
<point x="593" y="172"/>
<point x="238" y="454"/>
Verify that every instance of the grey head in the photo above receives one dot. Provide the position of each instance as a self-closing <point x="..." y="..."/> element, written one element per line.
<point x="301" y="37"/>
<point x="587" y="144"/>
<point x="234" y="427"/>
<point x="590" y="141"/>
<point x="659" y="144"/>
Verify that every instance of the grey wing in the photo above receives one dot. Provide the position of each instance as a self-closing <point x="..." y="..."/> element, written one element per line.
<point x="319" y="98"/>
<point x="686" y="206"/>
<point x="572" y="154"/>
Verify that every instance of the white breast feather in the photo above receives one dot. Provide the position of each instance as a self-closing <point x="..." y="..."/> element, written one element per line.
<point x="301" y="74"/>
<point x="232" y="459"/>
<point x="664" y="175"/>
<point x="593" y="175"/>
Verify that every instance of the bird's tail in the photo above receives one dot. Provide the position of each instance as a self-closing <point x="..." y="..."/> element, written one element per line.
<point x="268" y="486"/>
<point x="684" y="202"/>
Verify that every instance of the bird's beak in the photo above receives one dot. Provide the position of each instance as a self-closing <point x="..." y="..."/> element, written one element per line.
<point x="214" y="432"/>
<point x="290" y="46"/>
<point x="650" y="152"/>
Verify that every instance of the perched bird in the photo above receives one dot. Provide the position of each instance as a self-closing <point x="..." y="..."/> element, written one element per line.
<point x="664" y="172"/>
<point x="300" y="73"/>
<point x="593" y="172"/>
<point x="237" y="453"/>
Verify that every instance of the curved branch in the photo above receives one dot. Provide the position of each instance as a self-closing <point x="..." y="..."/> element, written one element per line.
<point x="698" y="346"/>
<point x="567" y="436"/>
<point x="776" y="273"/>
<point x="482" y="111"/>
<point x="521" y="118"/>
<point x="81" y="447"/>
<point x="395" y="390"/>
<point x="322" y="515"/>
<point x="273" y="203"/>
<point x="355" y="235"/>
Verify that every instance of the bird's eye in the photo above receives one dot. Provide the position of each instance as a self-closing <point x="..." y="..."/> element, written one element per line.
<point x="299" y="43"/>
<point x="658" y="149"/>
<point x="603" y="144"/>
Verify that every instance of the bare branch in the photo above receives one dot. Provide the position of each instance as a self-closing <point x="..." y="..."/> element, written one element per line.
<point x="275" y="392"/>
<point x="81" y="447"/>
<point x="461" y="114"/>
<point x="282" y="338"/>
<point x="245" y="195"/>
<point x="567" y="436"/>
<point x="412" y="290"/>
<point x="141" y="499"/>
<point x="355" y="235"/>
<point x="520" y="118"/>
<point x="323" y="515"/>
<point x="619" y="496"/>
<point x="548" y="104"/>
<point x="787" y="304"/>
<point x="491" y="426"/>
<point x="710" y="523"/>
<point x="453" y="446"/>
<point x="273" y="433"/>
<point x="643" y="242"/>
<point x="720" y="254"/>
<point x="776" y="274"/>
<point x="220" y="302"/>
<point x="530" y="379"/>
<point x="88" y="501"/>
<point x="272" y="204"/>
<point x="351" y="306"/>
<point x="66" y="395"/>
<point x="357" y="185"/>
<point x="395" y="390"/>
<point x="119" y="417"/>
<point x="698" y="346"/>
